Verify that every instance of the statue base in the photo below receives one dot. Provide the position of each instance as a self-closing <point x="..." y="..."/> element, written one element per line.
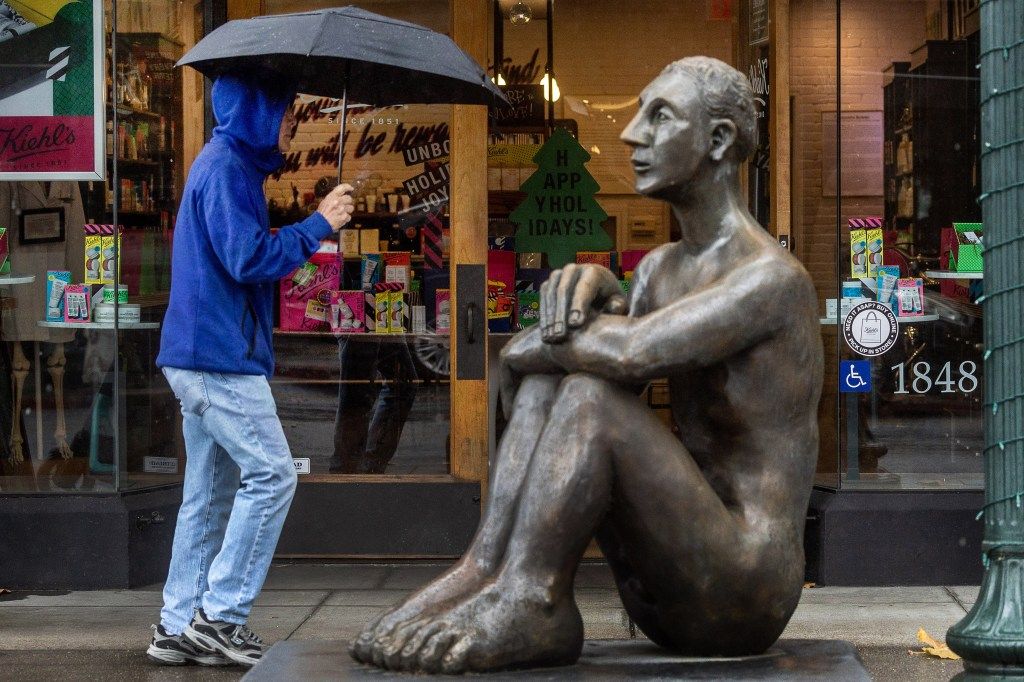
<point x="788" y="659"/>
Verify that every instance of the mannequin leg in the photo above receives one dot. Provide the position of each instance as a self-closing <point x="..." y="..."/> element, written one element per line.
<point x="19" y="366"/>
<point x="55" y="366"/>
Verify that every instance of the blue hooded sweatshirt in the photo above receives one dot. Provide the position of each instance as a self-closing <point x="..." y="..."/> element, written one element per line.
<point x="225" y="260"/>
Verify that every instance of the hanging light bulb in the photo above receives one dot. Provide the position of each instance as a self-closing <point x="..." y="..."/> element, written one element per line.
<point x="520" y="13"/>
<point x="501" y="80"/>
<point x="553" y="93"/>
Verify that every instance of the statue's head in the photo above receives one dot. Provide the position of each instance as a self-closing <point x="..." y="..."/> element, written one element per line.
<point x="693" y="118"/>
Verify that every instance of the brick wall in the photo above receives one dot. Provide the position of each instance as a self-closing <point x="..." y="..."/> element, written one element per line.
<point x="875" y="33"/>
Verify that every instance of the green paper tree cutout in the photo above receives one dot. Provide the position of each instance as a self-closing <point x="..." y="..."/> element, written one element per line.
<point x="559" y="215"/>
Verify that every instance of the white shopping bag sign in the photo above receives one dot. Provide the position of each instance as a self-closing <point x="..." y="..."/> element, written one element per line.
<point x="871" y="329"/>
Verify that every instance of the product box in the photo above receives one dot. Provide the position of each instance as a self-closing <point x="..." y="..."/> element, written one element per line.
<point x="397" y="267"/>
<point x="5" y="253"/>
<point x="347" y="312"/>
<point x="350" y="242"/>
<point x="419" y="319"/>
<point x="531" y="260"/>
<point x="630" y="259"/>
<point x="77" y="302"/>
<point x="909" y="297"/>
<point x="596" y="257"/>
<point x="528" y="307"/>
<point x="305" y="303"/>
<point x="382" y="312"/>
<point x="443" y="311"/>
<point x="966" y="248"/>
<point x="398" y="312"/>
<point x="858" y="257"/>
<point x="369" y="240"/>
<point x="101" y="256"/>
<point x="500" y="304"/>
<point x="875" y="250"/>
<point x="370" y="311"/>
<point x="56" y="282"/>
<point x="501" y="243"/>
<point x="370" y="270"/>
<point x="885" y="285"/>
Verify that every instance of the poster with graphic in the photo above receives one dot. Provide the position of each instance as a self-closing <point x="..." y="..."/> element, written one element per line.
<point x="51" y="90"/>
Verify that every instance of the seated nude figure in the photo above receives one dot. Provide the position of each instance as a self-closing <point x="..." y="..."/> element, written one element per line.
<point x="703" y="531"/>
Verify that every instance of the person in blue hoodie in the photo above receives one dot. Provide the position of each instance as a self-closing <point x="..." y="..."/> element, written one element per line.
<point x="216" y="350"/>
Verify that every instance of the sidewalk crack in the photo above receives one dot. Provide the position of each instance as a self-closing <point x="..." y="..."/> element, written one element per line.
<point x="312" y="613"/>
<point x="957" y="599"/>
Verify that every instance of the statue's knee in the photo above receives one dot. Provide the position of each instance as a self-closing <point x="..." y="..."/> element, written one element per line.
<point x="580" y="390"/>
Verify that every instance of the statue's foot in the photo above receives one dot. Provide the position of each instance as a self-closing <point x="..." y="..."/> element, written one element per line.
<point x="504" y="626"/>
<point x="464" y="578"/>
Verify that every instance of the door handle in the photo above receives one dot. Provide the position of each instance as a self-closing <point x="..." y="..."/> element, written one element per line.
<point x="470" y="322"/>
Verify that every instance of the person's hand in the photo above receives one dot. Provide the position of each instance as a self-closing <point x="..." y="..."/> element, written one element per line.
<point x="337" y="207"/>
<point x="572" y="294"/>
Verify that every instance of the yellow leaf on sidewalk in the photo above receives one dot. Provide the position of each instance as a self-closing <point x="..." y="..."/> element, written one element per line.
<point x="933" y="647"/>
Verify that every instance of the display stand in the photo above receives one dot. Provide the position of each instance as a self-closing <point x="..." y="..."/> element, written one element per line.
<point x="950" y="274"/>
<point x="11" y="280"/>
<point x="100" y="325"/>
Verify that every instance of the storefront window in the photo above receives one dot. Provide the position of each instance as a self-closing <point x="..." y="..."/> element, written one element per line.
<point x="906" y="185"/>
<point x="85" y="408"/>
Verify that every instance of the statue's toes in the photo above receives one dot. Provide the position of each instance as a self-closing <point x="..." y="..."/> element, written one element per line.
<point x="392" y="653"/>
<point x="434" y="650"/>
<point x="454" y="662"/>
<point x="409" y="658"/>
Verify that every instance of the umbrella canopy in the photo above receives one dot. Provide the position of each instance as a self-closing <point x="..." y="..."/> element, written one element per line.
<point x="347" y="51"/>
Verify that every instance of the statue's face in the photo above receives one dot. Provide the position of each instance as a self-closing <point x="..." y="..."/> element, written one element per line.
<point x="670" y="136"/>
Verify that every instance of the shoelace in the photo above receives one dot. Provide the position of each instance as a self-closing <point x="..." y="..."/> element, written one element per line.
<point x="250" y="636"/>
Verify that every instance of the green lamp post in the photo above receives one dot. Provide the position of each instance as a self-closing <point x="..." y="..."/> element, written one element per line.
<point x="991" y="637"/>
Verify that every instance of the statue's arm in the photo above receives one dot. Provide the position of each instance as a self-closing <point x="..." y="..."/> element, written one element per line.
<point x="707" y="326"/>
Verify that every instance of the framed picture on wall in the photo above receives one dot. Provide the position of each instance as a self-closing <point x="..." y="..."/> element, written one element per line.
<point x="51" y="90"/>
<point x="41" y="225"/>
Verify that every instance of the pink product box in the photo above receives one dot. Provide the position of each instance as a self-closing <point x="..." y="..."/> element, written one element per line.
<point x="306" y="294"/>
<point x="77" y="303"/>
<point x="347" y="313"/>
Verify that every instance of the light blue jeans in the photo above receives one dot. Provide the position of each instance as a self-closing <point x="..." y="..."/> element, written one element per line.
<point x="239" y="482"/>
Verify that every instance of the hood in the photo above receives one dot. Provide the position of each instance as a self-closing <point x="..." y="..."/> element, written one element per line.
<point x="249" y="119"/>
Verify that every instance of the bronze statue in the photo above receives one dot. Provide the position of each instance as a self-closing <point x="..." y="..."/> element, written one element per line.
<point x="704" y="531"/>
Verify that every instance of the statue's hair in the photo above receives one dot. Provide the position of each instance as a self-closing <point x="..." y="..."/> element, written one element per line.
<point x="725" y="93"/>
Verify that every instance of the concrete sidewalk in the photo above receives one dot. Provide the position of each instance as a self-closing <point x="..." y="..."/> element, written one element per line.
<point x="102" y="635"/>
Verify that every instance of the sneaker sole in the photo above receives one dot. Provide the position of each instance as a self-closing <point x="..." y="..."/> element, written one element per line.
<point x="207" y="643"/>
<point x="167" y="657"/>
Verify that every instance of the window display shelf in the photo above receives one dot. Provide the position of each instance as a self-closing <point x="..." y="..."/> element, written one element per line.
<point x="950" y="274"/>
<point x="908" y="320"/>
<point x="99" y="325"/>
<point x="11" y="280"/>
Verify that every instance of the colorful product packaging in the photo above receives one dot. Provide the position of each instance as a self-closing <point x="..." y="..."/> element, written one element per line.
<point x="350" y="242"/>
<point x="102" y="253"/>
<point x="875" y="250"/>
<point x="382" y="312"/>
<point x="370" y="272"/>
<point x="909" y="297"/>
<point x="398" y="311"/>
<point x="528" y="308"/>
<point x="347" y="312"/>
<point x="397" y="267"/>
<point x="56" y="282"/>
<point x="596" y="257"/>
<point x="443" y="311"/>
<point x="500" y="304"/>
<point x="885" y="285"/>
<point x="858" y="257"/>
<point x="369" y="240"/>
<point x="306" y="293"/>
<point x="631" y="258"/>
<point x="5" y="253"/>
<point x="77" y="303"/>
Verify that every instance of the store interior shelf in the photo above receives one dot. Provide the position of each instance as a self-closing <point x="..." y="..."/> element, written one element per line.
<point x="366" y="335"/>
<point x="950" y="274"/>
<point x="123" y="110"/>
<point x="9" y="280"/>
<point x="99" y="325"/>
<point x="909" y="319"/>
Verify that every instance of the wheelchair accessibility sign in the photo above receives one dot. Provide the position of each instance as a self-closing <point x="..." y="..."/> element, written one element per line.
<point x="855" y="376"/>
<point x="871" y="329"/>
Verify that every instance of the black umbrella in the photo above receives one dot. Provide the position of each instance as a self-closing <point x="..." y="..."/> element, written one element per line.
<point x="348" y="53"/>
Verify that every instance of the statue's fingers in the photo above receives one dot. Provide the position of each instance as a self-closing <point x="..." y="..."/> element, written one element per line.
<point x="588" y="289"/>
<point x="567" y="286"/>
<point x="548" y="294"/>
<point x="616" y="305"/>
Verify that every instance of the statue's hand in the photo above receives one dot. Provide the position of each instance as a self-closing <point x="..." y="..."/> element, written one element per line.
<point x="572" y="294"/>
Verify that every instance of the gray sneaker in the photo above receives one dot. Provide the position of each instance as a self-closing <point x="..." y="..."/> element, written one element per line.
<point x="168" y="649"/>
<point x="236" y="642"/>
<point x="12" y="24"/>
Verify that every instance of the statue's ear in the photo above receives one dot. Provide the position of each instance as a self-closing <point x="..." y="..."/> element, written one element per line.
<point x="723" y="137"/>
